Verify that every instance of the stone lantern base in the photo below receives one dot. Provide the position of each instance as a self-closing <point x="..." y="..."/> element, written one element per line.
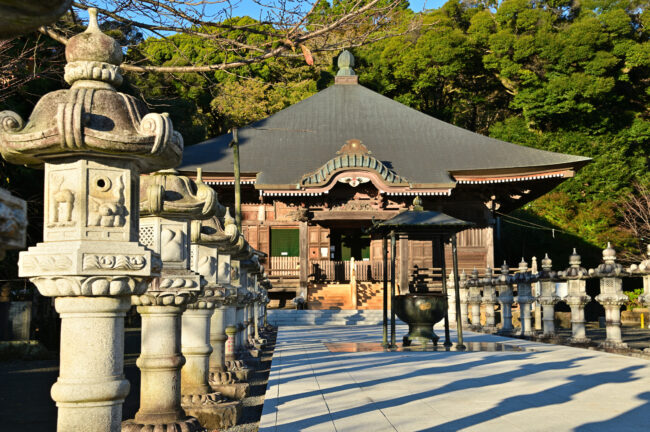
<point x="212" y="411"/>
<point x="228" y="385"/>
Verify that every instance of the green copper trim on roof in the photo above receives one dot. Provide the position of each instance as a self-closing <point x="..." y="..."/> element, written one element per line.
<point x="347" y="161"/>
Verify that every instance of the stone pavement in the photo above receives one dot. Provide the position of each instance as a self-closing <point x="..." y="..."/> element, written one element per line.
<point x="542" y="388"/>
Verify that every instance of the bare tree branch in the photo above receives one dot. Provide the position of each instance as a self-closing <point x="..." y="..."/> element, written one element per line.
<point x="288" y="24"/>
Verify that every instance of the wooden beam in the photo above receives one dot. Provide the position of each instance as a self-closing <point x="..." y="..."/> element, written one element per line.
<point x="303" y="238"/>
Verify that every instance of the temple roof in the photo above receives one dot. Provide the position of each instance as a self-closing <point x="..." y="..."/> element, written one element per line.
<point x="299" y="141"/>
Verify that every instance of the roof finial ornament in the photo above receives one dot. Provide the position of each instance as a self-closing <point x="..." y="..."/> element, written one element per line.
<point x="346" y="74"/>
<point x="346" y="63"/>
<point x="417" y="204"/>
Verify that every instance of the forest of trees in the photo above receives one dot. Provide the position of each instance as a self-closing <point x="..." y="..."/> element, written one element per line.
<point x="561" y="75"/>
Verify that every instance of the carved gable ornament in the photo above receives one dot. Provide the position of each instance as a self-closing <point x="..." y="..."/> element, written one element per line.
<point x="353" y="156"/>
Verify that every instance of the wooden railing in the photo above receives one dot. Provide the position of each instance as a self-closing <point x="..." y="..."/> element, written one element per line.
<point x="285" y="267"/>
<point x="327" y="270"/>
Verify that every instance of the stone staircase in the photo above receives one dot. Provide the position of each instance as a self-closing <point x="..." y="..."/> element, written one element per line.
<point x="285" y="317"/>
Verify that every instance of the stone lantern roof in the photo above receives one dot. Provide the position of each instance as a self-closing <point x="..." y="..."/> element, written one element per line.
<point x="91" y="117"/>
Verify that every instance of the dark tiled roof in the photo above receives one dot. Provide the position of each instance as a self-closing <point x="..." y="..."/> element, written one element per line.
<point x="415" y="146"/>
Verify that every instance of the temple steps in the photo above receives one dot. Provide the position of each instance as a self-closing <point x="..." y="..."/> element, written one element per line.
<point x="279" y="317"/>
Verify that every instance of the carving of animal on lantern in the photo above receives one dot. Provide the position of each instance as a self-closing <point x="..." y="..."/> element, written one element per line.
<point x="106" y="202"/>
<point x="61" y="204"/>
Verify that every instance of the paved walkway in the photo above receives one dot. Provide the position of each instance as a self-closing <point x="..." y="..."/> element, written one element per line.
<point x="543" y="388"/>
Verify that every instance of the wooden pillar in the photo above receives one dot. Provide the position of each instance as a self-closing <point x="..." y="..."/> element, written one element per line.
<point x="403" y="280"/>
<point x="303" y="238"/>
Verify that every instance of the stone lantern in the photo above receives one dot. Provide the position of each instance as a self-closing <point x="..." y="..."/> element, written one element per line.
<point x="611" y="296"/>
<point x="577" y="297"/>
<point x="212" y="410"/>
<point x="168" y="202"/>
<point x="13" y="222"/>
<point x="226" y="373"/>
<point x="93" y="142"/>
<point x="489" y="300"/>
<point x="474" y="299"/>
<point x="524" y="278"/>
<point x="643" y="270"/>
<point x="547" y="298"/>
<point x="504" y="287"/>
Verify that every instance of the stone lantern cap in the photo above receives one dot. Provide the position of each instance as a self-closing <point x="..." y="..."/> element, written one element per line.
<point x="167" y="194"/>
<point x="574" y="271"/>
<point x="609" y="266"/>
<point x="643" y="267"/>
<point x="523" y="274"/>
<point x="547" y="273"/>
<point x="488" y="279"/>
<point x="91" y="118"/>
<point x="504" y="275"/>
<point x="212" y="232"/>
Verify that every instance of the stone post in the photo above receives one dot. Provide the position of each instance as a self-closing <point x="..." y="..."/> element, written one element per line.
<point x="94" y="142"/>
<point x="536" y="293"/>
<point x="464" y="299"/>
<point x="489" y="300"/>
<point x="524" y="278"/>
<point x="577" y="297"/>
<point x="451" y="300"/>
<point x="504" y="286"/>
<point x="547" y="298"/>
<point x="474" y="299"/>
<point x="167" y="205"/>
<point x="611" y="296"/>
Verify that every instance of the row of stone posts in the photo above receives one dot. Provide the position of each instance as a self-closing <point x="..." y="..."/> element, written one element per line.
<point x="113" y="238"/>
<point x="486" y="291"/>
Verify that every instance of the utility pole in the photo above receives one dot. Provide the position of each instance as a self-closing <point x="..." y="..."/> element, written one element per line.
<point x="235" y="154"/>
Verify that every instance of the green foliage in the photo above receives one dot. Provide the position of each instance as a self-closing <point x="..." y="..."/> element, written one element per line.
<point x="204" y="105"/>
<point x="554" y="75"/>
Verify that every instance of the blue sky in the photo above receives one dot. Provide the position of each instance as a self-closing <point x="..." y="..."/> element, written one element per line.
<point x="248" y="7"/>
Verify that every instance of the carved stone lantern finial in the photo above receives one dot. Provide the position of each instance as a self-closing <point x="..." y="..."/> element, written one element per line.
<point x="93" y="143"/>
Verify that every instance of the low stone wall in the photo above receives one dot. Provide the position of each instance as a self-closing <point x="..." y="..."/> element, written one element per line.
<point x="633" y="317"/>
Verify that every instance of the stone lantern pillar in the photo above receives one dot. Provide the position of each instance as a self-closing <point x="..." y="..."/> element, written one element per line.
<point x="577" y="297"/>
<point x="93" y="142"/>
<point x="489" y="300"/>
<point x="167" y="205"/>
<point x="523" y="278"/>
<point x="547" y="298"/>
<point x="643" y="270"/>
<point x="504" y="287"/>
<point x="611" y="296"/>
<point x="474" y="299"/>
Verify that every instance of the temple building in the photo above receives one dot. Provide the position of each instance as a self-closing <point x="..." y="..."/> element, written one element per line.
<point x="315" y="175"/>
